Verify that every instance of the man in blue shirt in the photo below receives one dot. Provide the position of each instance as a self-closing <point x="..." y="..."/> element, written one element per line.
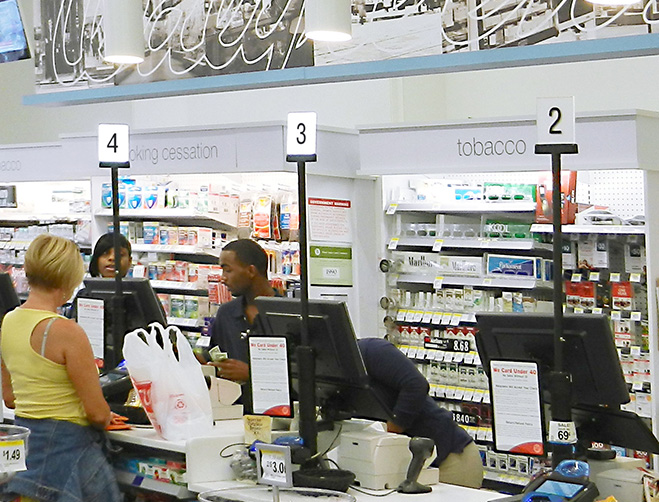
<point x="245" y="272"/>
<point x="405" y="390"/>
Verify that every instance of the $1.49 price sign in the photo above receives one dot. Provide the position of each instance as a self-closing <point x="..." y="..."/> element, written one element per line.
<point x="273" y="463"/>
<point x="12" y="456"/>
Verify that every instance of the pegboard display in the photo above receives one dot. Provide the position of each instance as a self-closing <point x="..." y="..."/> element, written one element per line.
<point x="623" y="191"/>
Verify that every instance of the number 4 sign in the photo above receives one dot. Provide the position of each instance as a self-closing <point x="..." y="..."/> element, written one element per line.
<point x="113" y="146"/>
<point x="555" y="121"/>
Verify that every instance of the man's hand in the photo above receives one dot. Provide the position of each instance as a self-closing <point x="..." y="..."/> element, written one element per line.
<point x="232" y="369"/>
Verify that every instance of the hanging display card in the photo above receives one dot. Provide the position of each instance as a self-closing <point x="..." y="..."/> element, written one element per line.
<point x="515" y="392"/>
<point x="90" y="318"/>
<point x="268" y="366"/>
<point x="329" y="220"/>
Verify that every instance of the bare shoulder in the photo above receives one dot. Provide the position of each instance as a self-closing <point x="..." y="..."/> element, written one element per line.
<point x="67" y="331"/>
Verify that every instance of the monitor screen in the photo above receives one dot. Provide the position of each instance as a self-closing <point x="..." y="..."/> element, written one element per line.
<point x="13" y="42"/>
<point x="561" y="488"/>
<point x="342" y="385"/>
<point x="8" y="298"/>
<point x="590" y="355"/>
<point x="141" y="307"/>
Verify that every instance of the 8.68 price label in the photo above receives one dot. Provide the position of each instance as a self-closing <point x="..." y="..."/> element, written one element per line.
<point x="12" y="456"/>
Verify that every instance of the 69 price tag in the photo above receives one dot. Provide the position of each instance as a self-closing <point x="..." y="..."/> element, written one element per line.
<point x="273" y="464"/>
<point x="12" y="456"/>
<point x="562" y="432"/>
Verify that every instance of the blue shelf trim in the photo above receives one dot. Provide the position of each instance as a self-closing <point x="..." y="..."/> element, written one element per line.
<point x="564" y="52"/>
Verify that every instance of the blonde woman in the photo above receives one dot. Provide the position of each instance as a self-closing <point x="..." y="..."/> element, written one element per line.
<point x="50" y="379"/>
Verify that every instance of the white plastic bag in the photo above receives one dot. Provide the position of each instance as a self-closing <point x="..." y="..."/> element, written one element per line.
<point x="172" y="390"/>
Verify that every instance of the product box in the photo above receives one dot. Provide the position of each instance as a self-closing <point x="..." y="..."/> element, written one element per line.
<point x="496" y="265"/>
<point x="544" y="190"/>
<point x="593" y="252"/>
<point x="151" y="232"/>
<point x="634" y="258"/>
<point x="569" y="254"/>
<point x="622" y="295"/>
<point x="432" y="263"/>
<point x="204" y="237"/>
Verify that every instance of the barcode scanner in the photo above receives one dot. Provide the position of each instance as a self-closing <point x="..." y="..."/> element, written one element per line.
<point x="421" y="449"/>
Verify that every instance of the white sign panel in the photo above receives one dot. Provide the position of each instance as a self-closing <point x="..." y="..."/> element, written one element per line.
<point x="268" y="366"/>
<point x="515" y="391"/>
<point x="555" y="121"/>
<point x="329" y="220"/>
<point x="90" y="318"/>
<point x="301" y="136"/>
<point x="113" y="144"/>
<point x="274" y="465"/>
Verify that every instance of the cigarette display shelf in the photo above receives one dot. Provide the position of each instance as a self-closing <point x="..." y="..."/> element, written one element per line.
<point x="484" y="243"/>
<point x="514" y="282"/>
<point x="471" y="206"/>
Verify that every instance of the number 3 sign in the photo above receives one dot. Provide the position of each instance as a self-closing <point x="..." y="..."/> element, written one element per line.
<point x="555" y="121"/>
<point x="301" y="137"/>
<point x="113" y="147"/>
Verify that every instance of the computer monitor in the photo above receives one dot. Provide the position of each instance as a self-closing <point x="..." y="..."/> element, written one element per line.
<point x="342" y="385"/>
<point x="8" y="298"/>
<point x="590" y="355"/>
<point x="141" y="307"/>
<point x="13" y="42"/>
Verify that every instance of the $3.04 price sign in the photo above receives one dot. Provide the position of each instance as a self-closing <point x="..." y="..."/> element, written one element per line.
<point x="274" y="465"/>
<point x="12" y="456"/>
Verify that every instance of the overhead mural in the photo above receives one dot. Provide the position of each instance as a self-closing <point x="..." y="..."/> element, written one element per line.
<point x="197" y="38"/>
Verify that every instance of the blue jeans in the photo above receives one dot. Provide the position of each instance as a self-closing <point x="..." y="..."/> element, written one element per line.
<point x="65" y="463"/>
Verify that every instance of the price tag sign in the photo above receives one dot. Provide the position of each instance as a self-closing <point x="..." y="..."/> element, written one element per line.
<point x="576" y="278"/>
<point x="273" y="463"/>
<point x="635" y="277"/>
<point x="391" y="209"/>
<point x="616" y="315"/>
<point x="597" y="310"/>
<point x="437" y="245"/>
<point x="437" y="283"/>
<point x="562" y="432"/>
<point x="402" y="314"/>
<point x="301" y="137"/>
<point x="113" y="145"/>
<point x="594" y="276"/>
<point x="578" y="310"/>
<point x="487" y="281"/>
<point x="12" y="456"/>
<point x="635" y="316"/>
<point x="393" y="243"/>
<point x="436" y="318"/>
<point x="615" y="277"/>
<point x="427" y="317"/>
<point x="555" y="120"/>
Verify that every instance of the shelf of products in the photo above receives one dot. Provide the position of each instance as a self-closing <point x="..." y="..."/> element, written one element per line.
<point x="139" y="481"/>
<point x="430" y="313"/>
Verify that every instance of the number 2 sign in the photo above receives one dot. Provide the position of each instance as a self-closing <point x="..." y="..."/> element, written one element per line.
<point x="113" y="146"/>
<point x="555" y="121"/>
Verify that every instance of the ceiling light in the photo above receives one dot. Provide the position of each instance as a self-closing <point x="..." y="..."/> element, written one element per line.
<point x="328" y="20"/>
<point x="124" y="31"/>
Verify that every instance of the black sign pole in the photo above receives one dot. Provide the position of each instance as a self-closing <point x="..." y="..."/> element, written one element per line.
<point x="560" y="380"/>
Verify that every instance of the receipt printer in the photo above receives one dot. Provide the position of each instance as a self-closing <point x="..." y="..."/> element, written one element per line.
<point x="567" y="483"/>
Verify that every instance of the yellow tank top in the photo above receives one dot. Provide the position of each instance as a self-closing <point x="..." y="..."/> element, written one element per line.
<point x="42" y="388"/>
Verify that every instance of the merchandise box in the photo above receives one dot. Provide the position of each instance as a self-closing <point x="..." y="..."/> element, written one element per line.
<point x="544" y="191"/>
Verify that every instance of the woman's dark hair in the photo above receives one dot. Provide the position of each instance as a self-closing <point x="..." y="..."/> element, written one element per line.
<point x="105" y="243"/>
<point x="248" y="252"/>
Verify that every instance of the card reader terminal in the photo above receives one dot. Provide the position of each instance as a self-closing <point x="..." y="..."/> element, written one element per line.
<point x="567" y="483"/>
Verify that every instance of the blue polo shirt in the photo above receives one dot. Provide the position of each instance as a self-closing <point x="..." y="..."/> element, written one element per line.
<point x="229" y="329"/>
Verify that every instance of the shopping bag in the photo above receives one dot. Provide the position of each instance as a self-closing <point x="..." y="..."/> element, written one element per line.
<point x="171" y="385"/>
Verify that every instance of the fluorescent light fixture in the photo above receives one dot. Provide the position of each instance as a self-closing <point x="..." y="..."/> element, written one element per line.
<point x="328" y="20"/>
<point x="124" y="31"/>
